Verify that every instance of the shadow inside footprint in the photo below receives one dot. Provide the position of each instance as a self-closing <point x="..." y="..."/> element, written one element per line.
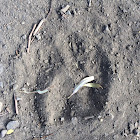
<point x="96" y="98"/>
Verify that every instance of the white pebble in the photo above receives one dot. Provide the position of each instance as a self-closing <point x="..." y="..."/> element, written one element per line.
<point x="22" y="22"/>
<point x="3" y="133"/>
<point x="1" y="84"/>
<point x="38" y="36"/>
<point x="62" y="119"/>
<point x="12" y="125"/>
<point x="15" y="87"/>
<point x="74" y="120"/>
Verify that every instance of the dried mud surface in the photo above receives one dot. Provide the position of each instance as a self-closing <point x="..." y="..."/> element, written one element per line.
<point x="102" y="40"/>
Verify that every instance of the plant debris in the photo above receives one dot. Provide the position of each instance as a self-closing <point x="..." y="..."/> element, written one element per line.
<point x="94" y="85"/>
<point x="81" y="84"/>
<point x="35" y="30"/>
<point x="3" y="133"/>
<point x="16" y="105"/>
<point x="39" y="26"/>
<point x="65" y="9"/>
<point x="30" y="38"/>
<point x="37" y="91"/>
<point x="10" y="131"/>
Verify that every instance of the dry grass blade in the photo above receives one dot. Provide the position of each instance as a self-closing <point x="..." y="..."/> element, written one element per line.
<point x="94" y="85"/>
<point x="30" y="37"/>
<point x="37" y="91"/>
<point x="39" y="26"/>
<point x="81" y="84"/>
<point x="16" y="105"/>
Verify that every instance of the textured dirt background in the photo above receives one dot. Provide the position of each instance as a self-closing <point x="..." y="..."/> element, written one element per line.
<point x="102" y="40"/>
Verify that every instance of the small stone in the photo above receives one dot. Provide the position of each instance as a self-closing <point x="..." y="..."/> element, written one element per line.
<point x="131" y="127"/>
<point x="8" y="27"/>
<point x="1" y="84"/>
<point x="116" y="137"/>
<point x="62" y="119"/>
<point x="135" y="131"/>
<point x="46" y="61"/>
<point x="100" y="118"/>
<point x="72" y="113"/>
<point x="38" y="36"/>
<point x="24" y="37"/>
<point x="107" y="29"/>
<point x="86" y="50"/>
<point x="3" y="133"/>
<point x="74" y="120"/>
<point x="23" y="22"/>
<point x="1" y="105"/>
<point x="90" y="47"/>
<point x="12" y="125"/>
<point x="4" y="46"/>
<point x="15" y="87"/>
<point x="136" y="124"/>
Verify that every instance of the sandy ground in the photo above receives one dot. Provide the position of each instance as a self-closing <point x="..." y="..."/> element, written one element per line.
<point x="100" y="39"/>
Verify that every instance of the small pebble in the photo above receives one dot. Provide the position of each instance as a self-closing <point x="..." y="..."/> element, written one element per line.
<point x="100" y="118"/>
<point x="15" y="87"/>
<point x="4" y="46"/>
<point x="12" y="125"/>
<point x="24" y="37"/>
<point x="1" y="84"/>
<point x="38" y="36"/>
<point x="8" y="27"/>
<point x="1" y="105"/>
<point x="22" y="22"/>
<point x="131" y="127"/>
<point x="135" y="131"/>
<point x="3" y="133"/>
<point x="90" y="47"/>
<point x="74" y="120"/>
<point x="62" y="119"/>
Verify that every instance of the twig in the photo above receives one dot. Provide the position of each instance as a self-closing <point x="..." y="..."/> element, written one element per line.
<point x="37" y="91"/>
<point x="89" y="3"/>
<point x="89" y="117"/>
<point x="81" y="84"/>
<point x="35" y="30"/>
<point x="65" y="9"/>
<point x="16" y="106"/>
<point x="8" y="110"/>
<point x="39" y="26"/>
<point x="30" y="37"/>
<point x="41" y="23"/>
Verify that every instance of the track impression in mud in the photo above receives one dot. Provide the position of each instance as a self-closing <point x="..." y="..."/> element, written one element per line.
<point x="96" y="98"/>
<point x="61" y="81"/>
